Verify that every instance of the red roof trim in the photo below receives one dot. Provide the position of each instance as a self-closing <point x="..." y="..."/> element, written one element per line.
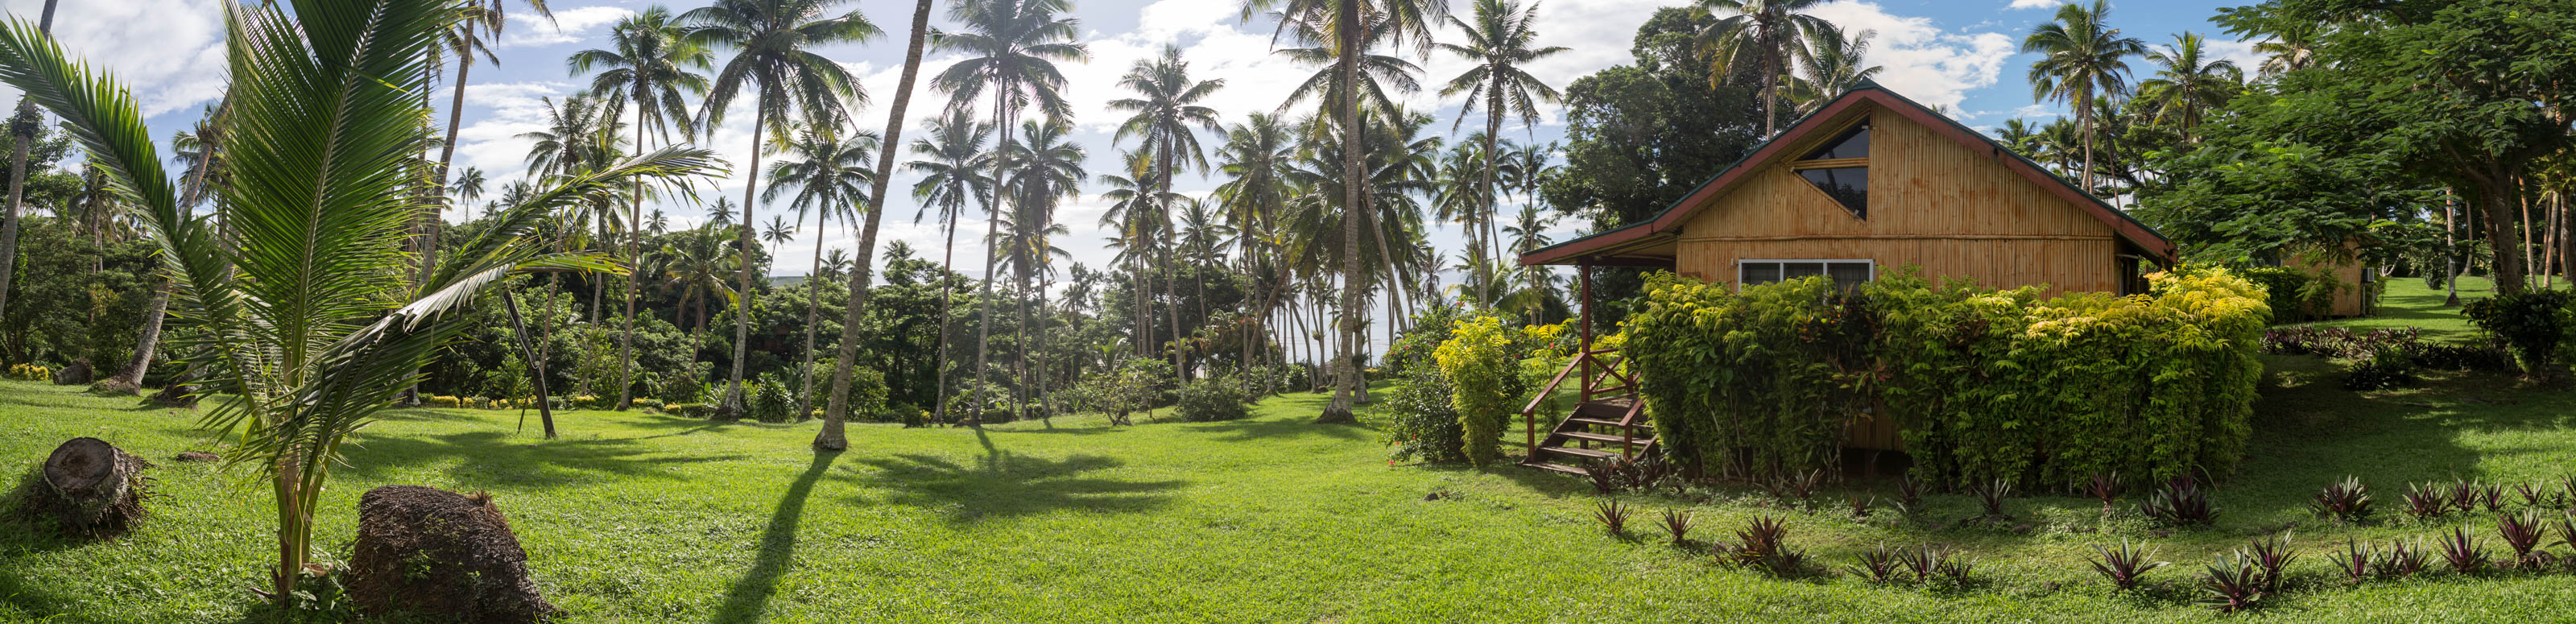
<point x="1681" y="211"/>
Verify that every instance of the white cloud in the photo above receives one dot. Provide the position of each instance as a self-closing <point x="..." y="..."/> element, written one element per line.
<point x="1922" y="61"/>
<point x="2239" y="51"/>
<point x="526" y="28"/>
<point x="2035" y="4"/>
<point x="169" y="51"/>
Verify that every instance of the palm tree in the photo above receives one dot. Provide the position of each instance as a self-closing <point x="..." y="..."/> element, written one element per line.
<point x="952" y="176"/>
<point x="1760" y="36"/>
<point x="22" y="136"/>
<point x="1255" y="159"/>
<point x="1345" y="24"/>
<point x="2186" y="83"/>
<point x="1166" y="108"/>
<point x="827" y="171"/>
<point x="774" y="54"/>
<point x="303" y="362"/>
<point x="469" y="185"/>
<point x="697" y="263"/>
<point x="778" y="232"/>
<point x="1464" y="194"/>
<point x="1134" y="202"/>
<point x="1501" y="42"/>
<point x="2082" y="58"/>
<point x="720" y="214"/>
<point x="830" y="438"/>
<point x="1012" y="47"/>
<point x="649" y="65"/>
<point x="1049" y="169"/>
<point x="1833" y="64"/>
<point x="2292" y="48"/>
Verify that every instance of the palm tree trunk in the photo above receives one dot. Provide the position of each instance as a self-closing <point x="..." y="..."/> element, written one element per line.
<point x="536" y="357"/>
<point x="992" y="226"/>
<point x="25" y="133"/>
<point x="1493" y="241"/>
<point x="732" y="408"/>
<point x="150" y="339"/>
<point x="634" y="238"/>
<point x="831" y="438"/>
<point x="813" y="306"/>
<point x="1171" y="288"/>
<point x="947" y="300"/>
<point x="1020" y="344"/>
<point x="2084" y="120"/>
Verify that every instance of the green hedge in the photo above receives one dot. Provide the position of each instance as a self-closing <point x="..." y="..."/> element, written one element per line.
<point x="1984" y="384"/>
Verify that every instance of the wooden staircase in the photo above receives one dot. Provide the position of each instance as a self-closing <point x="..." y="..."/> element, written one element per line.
<point x="1608" y="421"/>
<point x="1599" y="429"/>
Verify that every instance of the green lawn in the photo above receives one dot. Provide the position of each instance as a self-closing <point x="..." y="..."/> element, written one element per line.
<point x="646" y="518"/>
<point x="2408" y="303"/>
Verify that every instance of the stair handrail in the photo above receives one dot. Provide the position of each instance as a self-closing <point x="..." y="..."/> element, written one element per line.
<point x="1529" y="415"/>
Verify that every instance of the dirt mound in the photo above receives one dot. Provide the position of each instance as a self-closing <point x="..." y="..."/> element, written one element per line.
<point x="430" y="552"/>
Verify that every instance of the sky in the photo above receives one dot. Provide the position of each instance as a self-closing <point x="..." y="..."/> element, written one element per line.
<point x="1962" y="54"/>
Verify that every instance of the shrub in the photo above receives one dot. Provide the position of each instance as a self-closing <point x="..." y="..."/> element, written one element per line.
<point x="2347" y="502"/>
<point x="1768" y="379"/>
<point x="2181" y="502"/>
<point x="2464" y="552"/>
<point x="31" y="372"/>
<point x="1213" y="399"/>
<point x="1421" y="423"/>
<point x="867" y="394"/>
<point x="1484" y="369"/>
<point x="2294" y="295"/>
<point x="2385" y="367"/>
<point x="1677" y="522"/>
<point x="1416" y="346"/>
<point x="1612" y="515"/>
<point x="691" y="410"/>
<point x="769" y="399"/>
<point x="2125" y="566"/>
<point x="2532" y="324"/>
<point x="2231" y="584"/>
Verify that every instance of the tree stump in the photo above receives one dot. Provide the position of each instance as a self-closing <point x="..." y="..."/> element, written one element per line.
<point x="429" y="552"/>
<point x="176" y="394"/>
<point x="115" y="387"/>
<point x="77" y="373"/>
<point x="87" y="488"/>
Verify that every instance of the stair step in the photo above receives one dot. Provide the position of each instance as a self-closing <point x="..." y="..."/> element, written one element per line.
<point x="1556" y="467"/>
<point x="1641" y="424"/>
<point x="1577" y="452"/>
<point x="1603" y="437"/>
<point x="1611" y="409"/>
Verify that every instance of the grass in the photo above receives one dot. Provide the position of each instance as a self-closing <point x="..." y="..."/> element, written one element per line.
<point x="633" y="517"/>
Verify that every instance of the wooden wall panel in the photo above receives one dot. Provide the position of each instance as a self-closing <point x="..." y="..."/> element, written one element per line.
<point x="1952" y="209"/>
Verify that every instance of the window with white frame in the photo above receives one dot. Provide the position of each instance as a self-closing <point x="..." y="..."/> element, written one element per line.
<point x="1845" y="272"/>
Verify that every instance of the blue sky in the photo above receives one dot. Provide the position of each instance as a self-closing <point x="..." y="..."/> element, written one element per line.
<point x="1959" y="53"/>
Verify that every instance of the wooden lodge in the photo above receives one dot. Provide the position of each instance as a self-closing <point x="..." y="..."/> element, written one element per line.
<point x="1871" y="182"/>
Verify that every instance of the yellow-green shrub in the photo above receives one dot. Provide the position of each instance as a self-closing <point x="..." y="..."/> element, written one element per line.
<point x="443" y="401"/>
<point x="31" y="372"/>
<point x="1484" y="366"/>
<point x="1984" y="384"/>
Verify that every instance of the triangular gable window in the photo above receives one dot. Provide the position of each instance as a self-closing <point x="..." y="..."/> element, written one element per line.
<point x="1841" y="169"/>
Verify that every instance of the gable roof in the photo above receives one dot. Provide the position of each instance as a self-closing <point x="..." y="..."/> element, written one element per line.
<point x="1600" y="246"/>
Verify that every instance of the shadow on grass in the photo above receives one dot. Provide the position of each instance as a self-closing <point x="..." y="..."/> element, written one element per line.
<point x="501" y="459"/>
<point x="1253" y="429"/>
<point x="744" y="602"/>
<point x="1004" y="484"/>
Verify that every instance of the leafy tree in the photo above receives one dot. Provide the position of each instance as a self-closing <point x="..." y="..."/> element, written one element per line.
<point x="2468" y="94"/>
